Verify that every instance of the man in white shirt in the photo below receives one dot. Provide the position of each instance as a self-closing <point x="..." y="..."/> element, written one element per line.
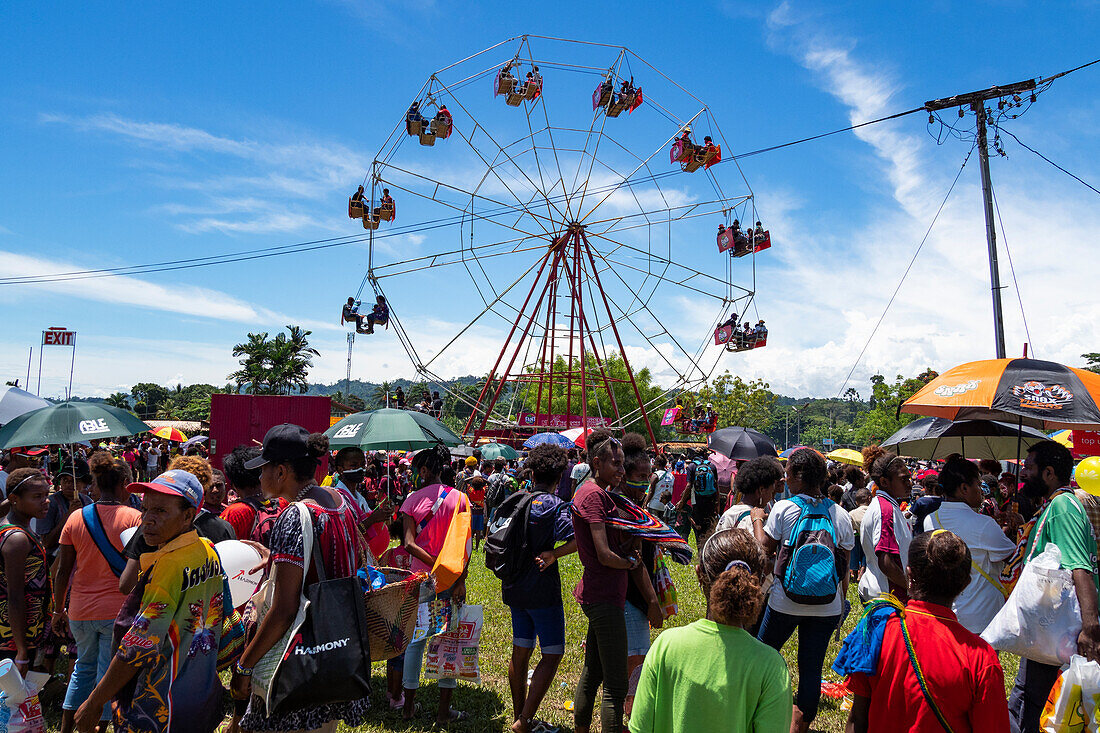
<point x="152" y="462"/>
<point x="580" y="472"/>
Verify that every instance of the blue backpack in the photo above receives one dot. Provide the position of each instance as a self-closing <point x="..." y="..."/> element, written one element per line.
<point x="809" y="564"/>
<point x="705" y="483"/>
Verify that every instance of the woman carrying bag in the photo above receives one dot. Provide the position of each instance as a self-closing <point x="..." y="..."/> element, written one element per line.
<point x="287" y="465"/>
<point x="436" y="526"/>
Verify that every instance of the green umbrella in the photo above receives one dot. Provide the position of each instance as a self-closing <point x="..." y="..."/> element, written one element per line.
<point x="492" y="451"/>
<point x="69" y="422"/>
<point x="390" y="429"/>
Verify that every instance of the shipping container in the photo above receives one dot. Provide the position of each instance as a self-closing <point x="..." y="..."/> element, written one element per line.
<point x="244" y="419"/>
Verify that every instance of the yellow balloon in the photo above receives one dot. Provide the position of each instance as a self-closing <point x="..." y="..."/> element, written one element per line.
<point x="1088" y="475"/>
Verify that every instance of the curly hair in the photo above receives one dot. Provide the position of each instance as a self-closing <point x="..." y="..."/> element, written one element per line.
<point x="939" y="564"/>
<point x="878" y="461"/>
<point x="547" y="463"/>
<point x="598" y="442"/>
<point x="1053" y="455"/>
<point x="855" y="476"/>
<point x="634" y="452"/>
<point x="809" y="467"/>
<point x="239" y="476"/>
<point x="22" y="479"/>
<point x="733" y="567"/>
<point x="111" y="474"/>
<point x="757" y="474"/>
<point x="432" y="461"/>
<point x="197" y="466"/>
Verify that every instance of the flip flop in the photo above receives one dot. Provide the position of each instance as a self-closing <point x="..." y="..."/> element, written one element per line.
<point x="457" y="716"/>
<point x="416" y="711"/>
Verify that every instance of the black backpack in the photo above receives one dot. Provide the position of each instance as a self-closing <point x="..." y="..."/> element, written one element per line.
<point x="506" y="551"/>
<point x="497" y="491"/>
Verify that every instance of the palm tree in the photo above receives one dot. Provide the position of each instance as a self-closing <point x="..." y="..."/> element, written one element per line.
<point x="252" y="377"/>
<point x="381" y="393"/>
<point x="119" y="399"/>
<point x="167" y="410"/>
<point x="274" y="366"/>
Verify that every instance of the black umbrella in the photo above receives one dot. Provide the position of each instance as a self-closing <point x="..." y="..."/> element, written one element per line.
<point x="937" y="437"/>
<point x="741" y="444"/>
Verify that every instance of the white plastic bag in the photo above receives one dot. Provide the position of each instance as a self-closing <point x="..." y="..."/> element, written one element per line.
<point x="1074" y="702"/>
<point x="454" y="653"/>
<point x="20" y="710"/>
<point x="1042" y="618"/>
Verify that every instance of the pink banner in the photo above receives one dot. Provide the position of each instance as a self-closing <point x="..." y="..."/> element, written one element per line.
<point x="670" y="416"/>
<point x="561" y="422"/>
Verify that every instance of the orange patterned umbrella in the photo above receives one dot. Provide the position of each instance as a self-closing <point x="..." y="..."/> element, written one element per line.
<point x="1043" y="394"/>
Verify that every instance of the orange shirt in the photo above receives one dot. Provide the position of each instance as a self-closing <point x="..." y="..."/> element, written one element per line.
<point x="93" y="588"/>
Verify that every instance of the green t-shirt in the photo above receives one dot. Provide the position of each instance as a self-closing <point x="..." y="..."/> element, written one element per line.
<point x="709" y="676"/>
<point x="1065" y="523"/>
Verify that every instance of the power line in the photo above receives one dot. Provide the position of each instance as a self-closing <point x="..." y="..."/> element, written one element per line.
<point x="1012" y="269"/>
<point x="827" y="134"/>
<point x="320" y="244"/>
<point x="1071" y="175"/>
<point x="905" y="274"/>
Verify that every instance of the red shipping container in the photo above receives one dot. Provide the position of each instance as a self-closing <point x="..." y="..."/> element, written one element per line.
<point x="244" y="419"/>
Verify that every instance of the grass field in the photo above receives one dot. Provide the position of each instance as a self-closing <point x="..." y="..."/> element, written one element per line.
<point x="489" y="703"/>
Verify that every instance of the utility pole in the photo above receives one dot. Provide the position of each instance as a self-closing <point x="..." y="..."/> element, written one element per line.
<point x="976" y="101"/>
<point x="347" y="379"/>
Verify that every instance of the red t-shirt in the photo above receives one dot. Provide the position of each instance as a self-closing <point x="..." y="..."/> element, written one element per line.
<point x="962" y="671"/>
<point x="242" y="516"/>
<point x="598" y="583"/>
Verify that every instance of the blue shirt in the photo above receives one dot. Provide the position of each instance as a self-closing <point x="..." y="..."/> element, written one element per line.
<point x="550" y="523"/>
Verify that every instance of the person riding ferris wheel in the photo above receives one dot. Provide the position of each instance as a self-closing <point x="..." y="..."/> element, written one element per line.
<point x="573" y="231"/>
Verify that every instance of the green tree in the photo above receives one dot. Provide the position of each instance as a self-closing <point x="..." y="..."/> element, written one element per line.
<point x="1092" y="361"/>
<point x="737" y="402"/>
<point x="147" y="398"/>
<point x="356" y="403"/>
<point x="619" y="400"/>
<point x="274" y="366"/>
<point x="883" y="419"/>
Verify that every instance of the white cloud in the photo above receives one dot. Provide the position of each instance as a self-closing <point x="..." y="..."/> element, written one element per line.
<point x="135" y="292"/>
<point x="835" y="285"/>
<point x="282" y="178"/>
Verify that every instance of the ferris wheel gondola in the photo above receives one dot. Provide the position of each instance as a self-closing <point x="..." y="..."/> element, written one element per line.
<point x="571" y="234"/>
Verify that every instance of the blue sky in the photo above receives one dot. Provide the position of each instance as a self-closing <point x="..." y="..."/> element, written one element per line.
<point x="132" y="135"/>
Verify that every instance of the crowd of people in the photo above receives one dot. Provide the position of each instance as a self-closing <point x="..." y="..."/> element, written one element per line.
<point x="142" y="629"/>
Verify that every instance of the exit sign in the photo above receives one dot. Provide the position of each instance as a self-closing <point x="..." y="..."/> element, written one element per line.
<point x="58" y="337"/>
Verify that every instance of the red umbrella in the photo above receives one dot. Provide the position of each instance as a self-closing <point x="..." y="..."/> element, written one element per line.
<point x="577" y="435"/>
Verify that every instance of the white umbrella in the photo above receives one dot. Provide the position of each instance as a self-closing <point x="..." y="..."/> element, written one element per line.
<point x="15" y="402"/>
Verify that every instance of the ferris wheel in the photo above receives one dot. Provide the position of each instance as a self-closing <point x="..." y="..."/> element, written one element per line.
<point x="558" y="191"/>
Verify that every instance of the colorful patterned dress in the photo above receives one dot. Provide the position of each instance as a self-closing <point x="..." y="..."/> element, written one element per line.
<point x="37" y="589"/>
<point x="341" y="549"/>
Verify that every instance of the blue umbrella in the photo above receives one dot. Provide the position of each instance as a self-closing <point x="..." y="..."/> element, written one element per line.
<point x="552" y="438"/>
<point x="193" y="441"/>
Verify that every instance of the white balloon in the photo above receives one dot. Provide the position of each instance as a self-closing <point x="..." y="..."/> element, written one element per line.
<point x="128" y="534"/>
<point x="237" y="560"/>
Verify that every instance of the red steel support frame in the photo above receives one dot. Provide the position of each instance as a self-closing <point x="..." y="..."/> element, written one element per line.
<point x="569" y="256"/>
